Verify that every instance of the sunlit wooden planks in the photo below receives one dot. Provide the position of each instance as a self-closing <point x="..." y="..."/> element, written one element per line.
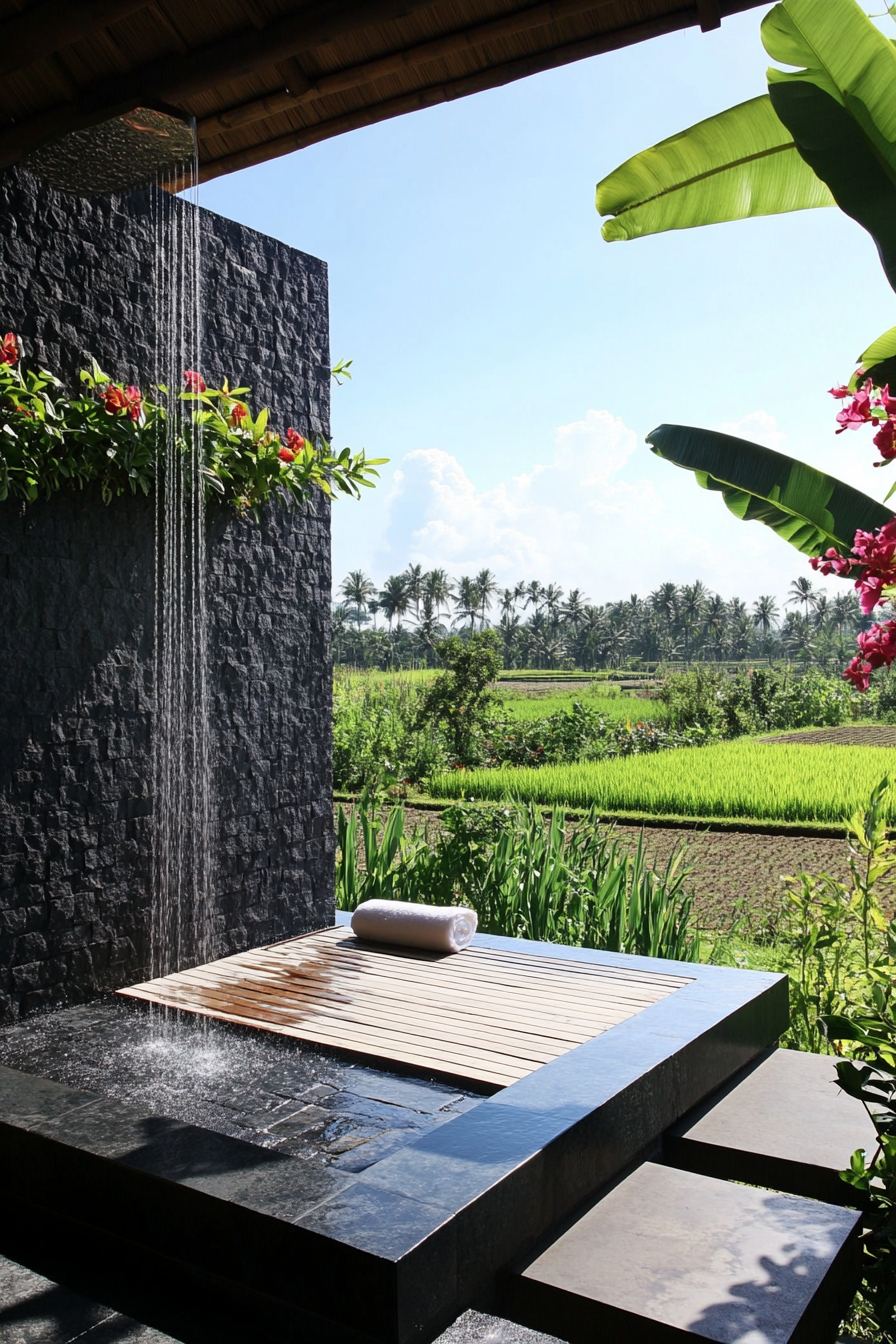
<point x="483" y="1015"/>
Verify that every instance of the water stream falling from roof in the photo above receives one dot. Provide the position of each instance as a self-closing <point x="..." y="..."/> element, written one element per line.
<point x="181" y="931"/>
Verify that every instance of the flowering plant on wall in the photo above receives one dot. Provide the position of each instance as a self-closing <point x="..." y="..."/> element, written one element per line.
<point x="112" y="434"/>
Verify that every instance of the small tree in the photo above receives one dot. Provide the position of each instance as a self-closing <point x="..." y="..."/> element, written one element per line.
<point x="459" y="700"/>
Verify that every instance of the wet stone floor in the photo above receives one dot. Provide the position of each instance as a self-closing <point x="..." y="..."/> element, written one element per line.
<point x="251" y="1085"/>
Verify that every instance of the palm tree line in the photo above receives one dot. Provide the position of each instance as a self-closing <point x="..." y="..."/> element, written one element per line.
<point x="541" y="625"/>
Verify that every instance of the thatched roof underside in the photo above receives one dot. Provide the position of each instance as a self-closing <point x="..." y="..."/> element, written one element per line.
<point x="266" y="77"/>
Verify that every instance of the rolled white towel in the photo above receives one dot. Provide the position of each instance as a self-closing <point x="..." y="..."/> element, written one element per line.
<point x="438" y="928"/>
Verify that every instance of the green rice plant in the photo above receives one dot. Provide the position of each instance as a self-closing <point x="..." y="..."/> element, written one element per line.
<point x="525" y="877"/>
<point x="617" y="709"/>
<point x="743" y="778"/>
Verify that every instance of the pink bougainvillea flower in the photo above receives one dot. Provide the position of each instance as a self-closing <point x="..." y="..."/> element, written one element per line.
<point x="286" y="455"/>
<point x="886" y="401"/>
<point x="193" y="381"/>
<point x="885" y="441"/>
<point x="9" y="350"/>
<point x="878" y="645"/>
<point x="859" y="673"/>
<point x="832" y="562"/>
<point x="841" y="392"/>
<point x="238" y="415"/>
<point x="858" y="412"/>
<point x="294" y="440"/>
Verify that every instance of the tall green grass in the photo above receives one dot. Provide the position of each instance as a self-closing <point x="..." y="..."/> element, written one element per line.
<point x="523" y="876"/>
<point x="744" y="778"/>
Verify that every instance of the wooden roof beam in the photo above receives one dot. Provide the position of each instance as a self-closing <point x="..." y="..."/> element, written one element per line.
<point x="176" y="78"/>
<point x="48" y="27"/>
<point x="433" y="95"/>
<point x="462" y="39"/>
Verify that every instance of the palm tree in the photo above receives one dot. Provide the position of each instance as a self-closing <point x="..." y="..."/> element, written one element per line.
<point x="765" y="613"/>
<point x="394" y="598"/>
<point x="466" y="600"/>
<point x="802" y="594"/>
<point x="414" y="576"/>
<point x="486" y="587"/>
<point x="507" y="600"/>
<point x="534" y="595"/>
<point x="429" y="628"/>
<point x="552" y="596"/>
<point x="438" y="586"/>
<point x="357" y="589"/>
<point x="574" y="607"/>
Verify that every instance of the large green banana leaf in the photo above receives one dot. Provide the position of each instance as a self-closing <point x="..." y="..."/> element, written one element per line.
<point x="835" y="147"/>
<point x="740" y="163"/>
<point x="804" y="506"/>
<point x="880" y="358"/>
<point x="843" y="54"/>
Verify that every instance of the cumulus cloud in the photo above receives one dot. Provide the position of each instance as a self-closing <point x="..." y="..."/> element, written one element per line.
<point x="599" y="512"/>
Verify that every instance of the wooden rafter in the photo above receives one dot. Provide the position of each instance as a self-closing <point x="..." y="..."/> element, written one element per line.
<point x="179" y="77"/>
<point x="407" y="58"/>
<point x="48" y="27"/>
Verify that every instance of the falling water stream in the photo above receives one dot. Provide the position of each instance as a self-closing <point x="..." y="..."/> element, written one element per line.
<point x="182" y="855"/>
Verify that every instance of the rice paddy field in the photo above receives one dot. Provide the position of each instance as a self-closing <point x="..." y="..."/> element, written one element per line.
<point x="746" y="778"/>
<point x="614" y="708"/>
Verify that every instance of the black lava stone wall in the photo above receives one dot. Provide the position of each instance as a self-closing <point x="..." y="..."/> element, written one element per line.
<point x="76" y="616"/>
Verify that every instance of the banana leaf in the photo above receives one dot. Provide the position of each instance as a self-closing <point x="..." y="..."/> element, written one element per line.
<point x="845" y="56"/>
<point x="835" y="148"/>
<point x="738" y="164"/>
<point x="880" y="358"/>
<point x="807" y="508"/>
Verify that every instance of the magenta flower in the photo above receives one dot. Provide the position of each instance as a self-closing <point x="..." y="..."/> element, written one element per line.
<point x="9" y="350"/>
<point x="858" y="412"/>
<point x="841" y="392"/>
<point x="885" y="441"/>
<point x="193" y="381"/>
<point x="858" y="673"/>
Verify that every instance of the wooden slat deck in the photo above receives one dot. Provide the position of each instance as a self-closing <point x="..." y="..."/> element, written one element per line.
<point x="482" y="1015"/>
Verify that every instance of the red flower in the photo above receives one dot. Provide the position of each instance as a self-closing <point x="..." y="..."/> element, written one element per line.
<point x="885" y="441"/>
<point x="238" y="415"/>
<point x="286" y="455"/>
<point x="878" y="645"/>
<point x="294" y="441"/>
<point x="9" y="350"/>
<point x="840" y="392"/>
<point x="858" y="673"/>
<point x="122" y="399"/>
<point x="193" y="381"/>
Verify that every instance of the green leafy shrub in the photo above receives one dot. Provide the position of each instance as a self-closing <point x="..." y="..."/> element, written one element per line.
<point x="50" y="441"/>
<point x="377" y="736"/>
<point x="759" y="700"/>
<point x="460" y="701"/>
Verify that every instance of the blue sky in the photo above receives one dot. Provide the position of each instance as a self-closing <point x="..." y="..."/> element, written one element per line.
<point x="509" y="362"/>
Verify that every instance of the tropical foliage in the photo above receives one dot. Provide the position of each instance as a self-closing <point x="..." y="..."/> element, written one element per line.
<point x="541" y="626"/>
<point x="523" y="877"/>
<point x="114" y="436"/>
<point x="824" y="135"/>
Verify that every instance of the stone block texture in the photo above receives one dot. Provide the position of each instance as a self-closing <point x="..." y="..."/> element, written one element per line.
<point x="76" y="617"/>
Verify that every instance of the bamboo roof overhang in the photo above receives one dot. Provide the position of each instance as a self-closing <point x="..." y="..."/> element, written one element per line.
<point x="266" y="77"/>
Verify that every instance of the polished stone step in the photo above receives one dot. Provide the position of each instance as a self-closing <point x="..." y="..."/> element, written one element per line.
<point x="784" y="1122"/>
<point x="669" y="1255"/>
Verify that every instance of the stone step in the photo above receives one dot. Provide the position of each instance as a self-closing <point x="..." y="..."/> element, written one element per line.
<point x="669" y="1255"/>
<point x="784" y="1122"/>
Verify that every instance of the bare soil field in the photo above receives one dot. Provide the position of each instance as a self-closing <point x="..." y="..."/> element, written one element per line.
<point x="848" y="735"/>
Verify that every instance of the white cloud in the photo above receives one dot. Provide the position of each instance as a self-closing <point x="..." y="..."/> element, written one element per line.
<point x="758" y="427"/>
<point x="600" y="513"/>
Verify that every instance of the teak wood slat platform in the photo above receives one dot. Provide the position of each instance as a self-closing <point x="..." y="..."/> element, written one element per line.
<point x="484" y="1015"/>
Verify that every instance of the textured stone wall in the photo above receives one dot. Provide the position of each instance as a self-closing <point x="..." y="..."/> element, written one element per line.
<point x="76" y="603"/>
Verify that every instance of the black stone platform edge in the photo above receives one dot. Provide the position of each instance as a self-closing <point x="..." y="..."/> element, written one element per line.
<point x="402" y="1249"/>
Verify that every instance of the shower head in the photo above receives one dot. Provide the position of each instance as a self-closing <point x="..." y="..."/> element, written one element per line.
<point x="133" y="149"/>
